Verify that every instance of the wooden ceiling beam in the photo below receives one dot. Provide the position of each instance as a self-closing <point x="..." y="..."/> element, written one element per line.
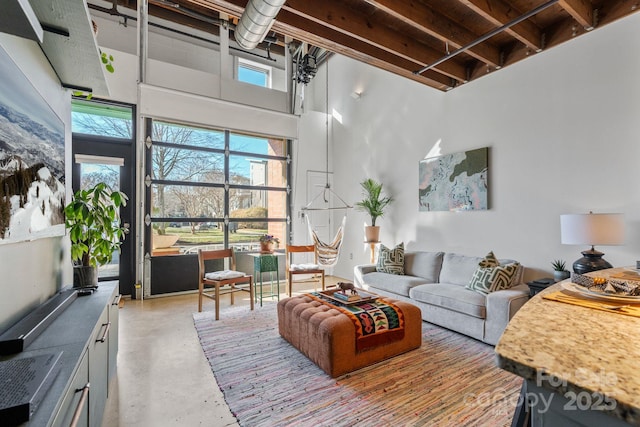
<point x="183" y="16"/>
<point x="233" y="8"/>
<point x="581" y="11"/>
<point x="499" y="13"/>
<point x="439" y="26"/>
<point x="338" y="17"/>
<point x="318" y="35"/>
<point x="299" y="28"/>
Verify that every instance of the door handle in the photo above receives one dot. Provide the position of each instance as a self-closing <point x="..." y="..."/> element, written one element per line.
<point x="127" y="227"/>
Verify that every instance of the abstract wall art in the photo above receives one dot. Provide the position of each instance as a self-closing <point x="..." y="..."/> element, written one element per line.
<point x="454" y="182"/>
<point x="32" y="191"/>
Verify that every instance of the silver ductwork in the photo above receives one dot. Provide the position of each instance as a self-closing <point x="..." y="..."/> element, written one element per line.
<point x="255" y="22"/>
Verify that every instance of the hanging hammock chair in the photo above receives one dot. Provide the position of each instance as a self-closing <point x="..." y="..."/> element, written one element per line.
<point x="327" y="253"/>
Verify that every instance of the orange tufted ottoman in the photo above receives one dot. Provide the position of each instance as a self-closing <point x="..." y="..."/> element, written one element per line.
<point x="328" y="337"/>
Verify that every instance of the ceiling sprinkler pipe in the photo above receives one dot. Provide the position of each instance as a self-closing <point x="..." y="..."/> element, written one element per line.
<point x="255" y="22"/>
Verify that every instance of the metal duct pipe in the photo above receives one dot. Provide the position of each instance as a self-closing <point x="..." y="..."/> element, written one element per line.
<point x="255" y="22"/>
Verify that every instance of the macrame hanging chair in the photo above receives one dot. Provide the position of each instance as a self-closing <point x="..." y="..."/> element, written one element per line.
<point x="327" y="253"/>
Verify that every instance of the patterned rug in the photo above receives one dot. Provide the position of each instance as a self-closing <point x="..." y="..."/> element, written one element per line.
<point x="451" y="380"/>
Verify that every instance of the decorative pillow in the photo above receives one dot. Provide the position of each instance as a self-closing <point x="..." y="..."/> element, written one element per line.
<point x="391" y="260"/>
<point x="489" y="260"/>
<point x="491" y="276"/>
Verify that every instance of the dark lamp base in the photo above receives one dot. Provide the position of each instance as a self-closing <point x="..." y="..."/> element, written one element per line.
<point x="591" y="261"/>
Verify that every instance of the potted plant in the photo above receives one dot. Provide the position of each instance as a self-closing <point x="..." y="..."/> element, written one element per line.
<point x="95" y="231"/>
<point x="559" y="270"/>
<point x="267" y="242"/>
<point x="374" y="203"/>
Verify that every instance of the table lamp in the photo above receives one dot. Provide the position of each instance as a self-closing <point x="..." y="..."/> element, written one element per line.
<point x="591" y="229"/>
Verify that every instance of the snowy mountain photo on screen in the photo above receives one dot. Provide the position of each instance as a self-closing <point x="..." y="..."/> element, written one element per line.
<point x="32" y="191"/>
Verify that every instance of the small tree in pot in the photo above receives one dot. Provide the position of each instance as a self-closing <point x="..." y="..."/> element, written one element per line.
<point x="95" y="231"/>
<point x="374" y="203"/>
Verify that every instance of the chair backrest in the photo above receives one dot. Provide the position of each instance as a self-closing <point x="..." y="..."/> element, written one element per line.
<point x="216" y="254"/>
<point x="291" y="249"/>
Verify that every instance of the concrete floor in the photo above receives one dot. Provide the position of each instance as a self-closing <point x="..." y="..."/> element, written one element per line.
<point x="163" y="377"/>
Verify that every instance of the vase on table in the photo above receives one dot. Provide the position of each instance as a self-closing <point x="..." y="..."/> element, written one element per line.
<point x="266" y="247"/>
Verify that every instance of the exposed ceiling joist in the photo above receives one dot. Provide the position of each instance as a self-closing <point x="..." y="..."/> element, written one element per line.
<point x="439" y="26"/>
<point x="581" y="10"/>
<point x="456" y="41"/>
<point x="337" y="17"/>
<point x="499" y="13"/>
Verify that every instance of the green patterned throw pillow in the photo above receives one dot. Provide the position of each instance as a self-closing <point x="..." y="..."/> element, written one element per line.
<point x="491" y="276"/>
<point x="489" y="260"/>
<point x="391" y="260"/>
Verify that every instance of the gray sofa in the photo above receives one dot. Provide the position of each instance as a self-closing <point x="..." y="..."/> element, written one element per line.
<point x="435" y="282"/>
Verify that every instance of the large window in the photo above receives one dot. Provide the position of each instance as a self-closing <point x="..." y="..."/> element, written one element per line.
<point x="213" y="188"/>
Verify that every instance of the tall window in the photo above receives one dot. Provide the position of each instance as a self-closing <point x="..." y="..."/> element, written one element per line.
<point x="254" y="73"/>
<point x="215" y="188"/>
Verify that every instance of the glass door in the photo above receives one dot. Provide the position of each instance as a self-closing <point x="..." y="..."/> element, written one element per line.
<point x="103" y="150"/>
<point x="93" y="170"/>
<point x="88" y="170"/>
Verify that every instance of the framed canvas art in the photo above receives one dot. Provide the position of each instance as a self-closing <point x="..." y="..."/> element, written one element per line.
<point x="454" y="182"/>
<point x="32" y="192"/>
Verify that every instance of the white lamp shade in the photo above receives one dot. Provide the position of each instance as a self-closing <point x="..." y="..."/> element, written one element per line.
<point x="592" y="229"/>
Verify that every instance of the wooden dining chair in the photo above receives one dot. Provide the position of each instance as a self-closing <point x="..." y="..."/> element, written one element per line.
<point x="222" y="281"/>
<point x="293" y="269"/>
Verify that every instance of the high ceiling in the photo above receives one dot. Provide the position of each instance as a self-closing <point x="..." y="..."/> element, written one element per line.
<point x="441" y="43"/>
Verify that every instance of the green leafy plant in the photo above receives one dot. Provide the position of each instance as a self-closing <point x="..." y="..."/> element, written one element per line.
<point x="94" y="226"/>
<point x="374" y="202"/>
<point x="559" y="265"/>
<point x="107" y="60"/>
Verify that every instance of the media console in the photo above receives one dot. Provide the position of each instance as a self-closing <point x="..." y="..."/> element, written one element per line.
<point x="84" y="340"/>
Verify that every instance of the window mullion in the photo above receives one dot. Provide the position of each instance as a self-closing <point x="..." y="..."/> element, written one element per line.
<point x="226" y="187"/>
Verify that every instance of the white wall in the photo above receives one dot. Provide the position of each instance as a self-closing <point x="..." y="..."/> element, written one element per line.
<point x="563" y="133"/>
<point x="31" y="272"/>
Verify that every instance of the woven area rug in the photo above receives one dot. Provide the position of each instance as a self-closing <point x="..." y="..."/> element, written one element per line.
<point x="451" y="380"/>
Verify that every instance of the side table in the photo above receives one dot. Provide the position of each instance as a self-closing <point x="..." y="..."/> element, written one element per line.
<point x="539" y="285"/>
<point x="372" y="249"/>
<point x="266" y="263"/>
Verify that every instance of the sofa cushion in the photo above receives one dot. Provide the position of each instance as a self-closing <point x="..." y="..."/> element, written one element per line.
<point x="423" y="264"/>
<point x="458" y="269"/>
<point x="490" y="279"/>
<point x="393" y="283"/>
<point x="391" y="260"/>
<point x="454" y="298"/>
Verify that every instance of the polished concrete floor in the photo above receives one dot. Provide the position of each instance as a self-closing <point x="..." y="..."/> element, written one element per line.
<point x="163" y="377"/>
